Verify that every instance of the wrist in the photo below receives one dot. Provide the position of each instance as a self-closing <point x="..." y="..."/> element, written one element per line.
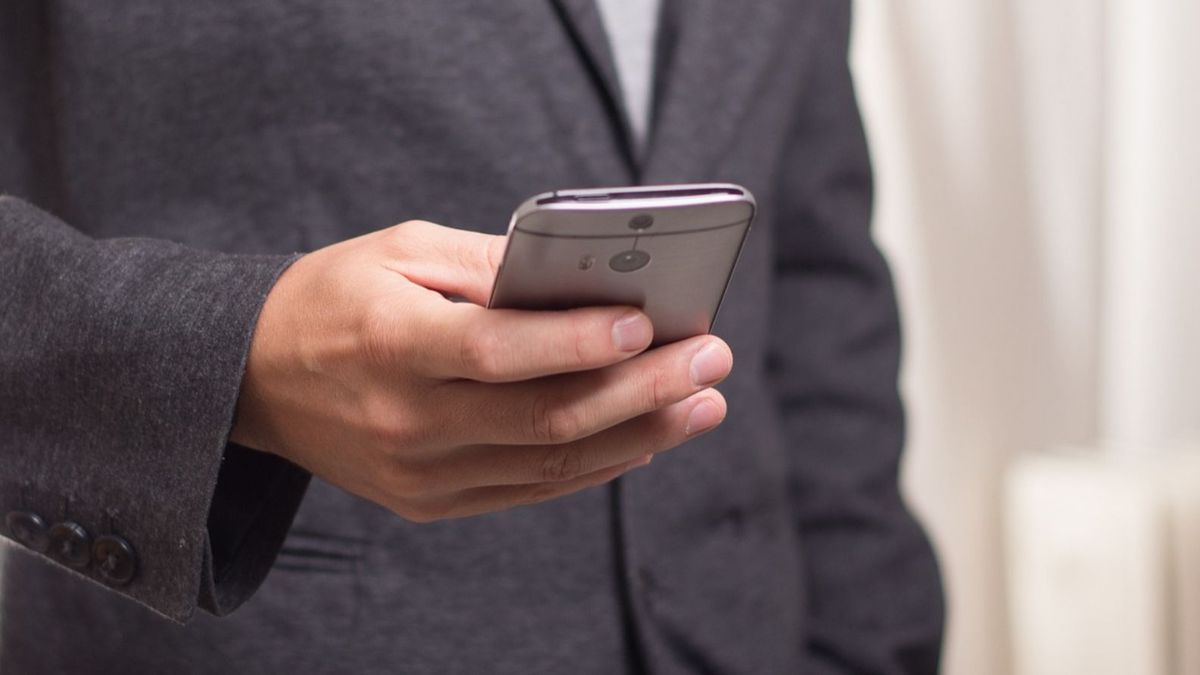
<point x="252" y="413"/>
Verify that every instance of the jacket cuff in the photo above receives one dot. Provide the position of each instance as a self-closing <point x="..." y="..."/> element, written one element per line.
<point x="256" y="498"/>
<point x="120" y="366"/>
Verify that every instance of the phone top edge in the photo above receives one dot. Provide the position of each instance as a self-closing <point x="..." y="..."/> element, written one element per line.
<point x="632" y="191"/>
<point x="642" y="196"/>
<point x="526" y="207"/>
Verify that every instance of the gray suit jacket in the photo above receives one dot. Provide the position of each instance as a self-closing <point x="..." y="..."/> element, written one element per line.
<point x="178" y="153"/>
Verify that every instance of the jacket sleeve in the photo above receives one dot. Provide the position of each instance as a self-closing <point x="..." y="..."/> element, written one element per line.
<point x="120" y="367"/>
<point x="875" y="599"/>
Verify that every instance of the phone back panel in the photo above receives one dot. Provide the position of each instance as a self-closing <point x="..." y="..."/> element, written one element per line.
<point x="561" y="256"/>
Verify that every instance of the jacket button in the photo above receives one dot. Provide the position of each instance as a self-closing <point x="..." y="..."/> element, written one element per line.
<point x="115" y="560"/>
<point x="29" y="529"/>
<point x="71" y="545"/>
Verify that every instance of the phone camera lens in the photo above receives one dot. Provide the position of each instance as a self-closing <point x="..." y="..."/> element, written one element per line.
<point x="629" y="261"/>
<point x="640" y="222"/>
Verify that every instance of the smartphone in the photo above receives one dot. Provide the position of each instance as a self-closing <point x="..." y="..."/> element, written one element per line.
<point x="667" y="249"/>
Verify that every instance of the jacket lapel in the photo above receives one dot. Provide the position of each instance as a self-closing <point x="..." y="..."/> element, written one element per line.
<point x="586" y="29"/>
<point x="713" y="57"/>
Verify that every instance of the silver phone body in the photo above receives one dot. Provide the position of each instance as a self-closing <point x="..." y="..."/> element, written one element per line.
<point x="668" y="249"/>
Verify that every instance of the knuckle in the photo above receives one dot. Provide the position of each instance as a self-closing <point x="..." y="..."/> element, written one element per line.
<point x="399" y="436"/>
<point x="479" y="352"/>
<point x="554" y="422"/>
<point x="397" y="237"/>
<point x="579" y="343"/>
<point x="409" y="227"/>
<point x="563" y="424"/>
<point x="388" y="428"/>
<point x="657" y="392"/>
<point x="406" y="241"/>
<point x="560" y="464"/>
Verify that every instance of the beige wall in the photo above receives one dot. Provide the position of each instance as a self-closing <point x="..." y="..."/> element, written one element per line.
<point x="1038" y="185"/>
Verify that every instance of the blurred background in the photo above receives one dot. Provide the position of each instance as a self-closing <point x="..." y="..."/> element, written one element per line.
<point x="1038" y="168"/>
<point x="1039" y="198"/>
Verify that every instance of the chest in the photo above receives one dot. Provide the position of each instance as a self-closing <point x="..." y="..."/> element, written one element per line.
<point x="255" y="126"/>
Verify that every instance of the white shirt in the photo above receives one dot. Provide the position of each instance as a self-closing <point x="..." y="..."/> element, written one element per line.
<point x="632" y="26"/>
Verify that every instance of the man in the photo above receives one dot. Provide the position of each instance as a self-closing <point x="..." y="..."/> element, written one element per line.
<point x="324" y="454"/>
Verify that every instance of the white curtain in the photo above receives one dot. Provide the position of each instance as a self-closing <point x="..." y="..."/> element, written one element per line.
<point x="1039" y="197"/>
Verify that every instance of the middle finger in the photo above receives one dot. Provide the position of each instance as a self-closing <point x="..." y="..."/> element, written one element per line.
<point x="566" y="408"/>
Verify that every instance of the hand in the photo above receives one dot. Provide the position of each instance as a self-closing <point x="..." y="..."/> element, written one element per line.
<point x="362" y="372"/>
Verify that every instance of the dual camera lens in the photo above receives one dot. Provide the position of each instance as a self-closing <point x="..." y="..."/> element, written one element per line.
<point x="633" y="259"/>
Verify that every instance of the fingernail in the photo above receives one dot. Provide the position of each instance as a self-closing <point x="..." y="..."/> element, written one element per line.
<point x="632" y="332"/>
<point x="710" y="364"/>
<point x="703" y="417"/>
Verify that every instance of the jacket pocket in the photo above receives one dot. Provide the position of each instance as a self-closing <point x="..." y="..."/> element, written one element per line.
<point x="309" y="551"/>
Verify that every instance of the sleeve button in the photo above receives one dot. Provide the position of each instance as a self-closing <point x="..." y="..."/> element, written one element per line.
<point x="71" y="545"/>
<point x="28" y="529"/>
<point x="115" y="560"/>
